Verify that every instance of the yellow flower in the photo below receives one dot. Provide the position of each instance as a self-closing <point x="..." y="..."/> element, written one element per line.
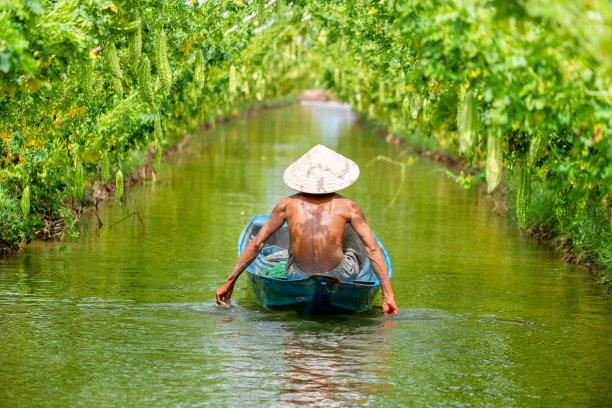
<point x="92" y="55"/>
<point x="516" y="125"/>
<point x="466" y="85"/>
<point x="372" y="11"/>
<point x="239" y="3"/>
<point x="114" y="8"/>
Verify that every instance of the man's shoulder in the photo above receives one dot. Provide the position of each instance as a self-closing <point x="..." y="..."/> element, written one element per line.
<point x="345" y="201"/>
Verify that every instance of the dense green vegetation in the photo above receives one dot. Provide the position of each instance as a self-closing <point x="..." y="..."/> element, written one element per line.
<point x="519" y="89"/>
<point x="88" y="87"/>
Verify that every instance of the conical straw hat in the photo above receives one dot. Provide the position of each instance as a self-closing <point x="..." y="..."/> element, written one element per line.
<point x="321" y="171"/>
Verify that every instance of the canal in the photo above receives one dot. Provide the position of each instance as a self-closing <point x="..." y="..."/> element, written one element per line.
<point x="125" y="316"/>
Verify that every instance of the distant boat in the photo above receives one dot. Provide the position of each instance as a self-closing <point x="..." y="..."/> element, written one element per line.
<point x="318" y="294"/>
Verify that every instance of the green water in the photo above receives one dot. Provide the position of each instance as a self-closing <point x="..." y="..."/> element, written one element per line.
<point x="487" y="318"/>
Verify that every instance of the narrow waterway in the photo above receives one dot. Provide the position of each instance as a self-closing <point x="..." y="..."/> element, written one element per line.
<point x="126" y="316"/>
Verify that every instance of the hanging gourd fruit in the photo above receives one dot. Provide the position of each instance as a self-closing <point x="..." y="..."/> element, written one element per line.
<point x="401" y="87"/>
<point x="104" y="167"/>
<point x="427" y="117"/>
<point x="537" y="147"/>
<point x="163" y="67"/>
<point x="144" y="81"/>
<point x="135" y="45"/>
<point x="112" y="62"/>
<point x="157" y="129"/>
<point x="416" y="102"/>
<point x="198" y="74"/>
<point x="406" y="110"/>
<point x="261" y="12"/>
<point x="126" y="28"/>
<point x="118" y="186"/>
<point x="78" y="181"/>
<point x="523" y="198"/>
<point x="468" y="123"/>
<point x="117" y="87"/>
<point x="494" y="162"/>
<point x="25" y="201"/>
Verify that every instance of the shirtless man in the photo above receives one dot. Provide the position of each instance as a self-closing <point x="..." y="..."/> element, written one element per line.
<point x="321" y="224"/>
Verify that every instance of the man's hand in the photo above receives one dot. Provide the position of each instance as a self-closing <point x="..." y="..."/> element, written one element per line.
<point x="389" y="306"/>
<point x="224" y="293"/>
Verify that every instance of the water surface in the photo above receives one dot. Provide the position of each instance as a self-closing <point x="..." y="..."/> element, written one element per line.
<point x="487" y="317"/>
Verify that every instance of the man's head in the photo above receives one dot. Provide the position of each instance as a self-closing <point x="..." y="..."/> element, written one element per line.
<point x="321" y="171"/>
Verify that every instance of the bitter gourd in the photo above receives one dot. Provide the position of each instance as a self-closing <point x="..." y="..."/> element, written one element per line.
<point x="468" y="123"/>
<point x="144" y="81"/>
<point x="112" y="62"/>
<point x="427" y="117"/>
<point x="163" y="67"/>
<point x="118" y="186"/>
<point x="401" y="87"/>
<point x="261" y="12"/>
<point x="126" y="28"/>
<point x="537" y="147"/>
<point x="135" y="45"/>
<point x="523" y="198"/>
<point x="118" y="87"/>
<point x="78" y="181"/>
<point x="157" y="129"/>
<point x="198" y="74"/>
<point x="104" y="167"/>
<point x="25" y="201"/>
<point x="494" y="162"/>
<point x="416" y="101"/>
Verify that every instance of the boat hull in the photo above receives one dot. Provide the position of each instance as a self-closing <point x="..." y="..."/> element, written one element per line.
<point x="315" y="294"/>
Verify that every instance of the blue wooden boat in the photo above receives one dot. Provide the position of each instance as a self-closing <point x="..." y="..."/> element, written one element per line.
<point x="318" y="294"/>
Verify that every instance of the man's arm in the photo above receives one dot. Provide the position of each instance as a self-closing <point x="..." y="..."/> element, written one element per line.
<point x="277" y="218"/>
<point x="375" y="255"/>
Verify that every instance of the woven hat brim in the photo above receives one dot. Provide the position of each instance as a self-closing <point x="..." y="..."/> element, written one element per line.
<point x="319" y="179"/>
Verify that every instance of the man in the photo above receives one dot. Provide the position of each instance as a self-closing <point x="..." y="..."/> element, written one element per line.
<point x="322" y="226"/>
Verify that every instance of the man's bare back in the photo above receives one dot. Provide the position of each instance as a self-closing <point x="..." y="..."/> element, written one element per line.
<point x="316" y="226"/>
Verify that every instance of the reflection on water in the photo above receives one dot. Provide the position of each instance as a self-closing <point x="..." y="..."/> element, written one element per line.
<point x="333" y="368"/>
<point x="487" y="318"/>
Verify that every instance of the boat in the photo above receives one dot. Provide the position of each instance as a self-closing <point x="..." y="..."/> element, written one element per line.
<point x="317" y="294"/>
